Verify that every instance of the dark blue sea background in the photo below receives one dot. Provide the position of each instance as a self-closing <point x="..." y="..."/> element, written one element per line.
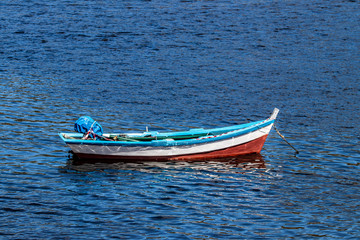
<point x="175" y="65"/>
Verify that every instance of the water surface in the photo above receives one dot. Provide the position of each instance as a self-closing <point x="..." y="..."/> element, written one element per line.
<point x="172" y="66"/>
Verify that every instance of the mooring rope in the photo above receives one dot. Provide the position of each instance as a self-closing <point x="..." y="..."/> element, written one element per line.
<point x="296" y="151"/>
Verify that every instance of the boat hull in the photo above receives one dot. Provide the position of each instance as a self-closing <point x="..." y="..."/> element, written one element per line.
<point x="241" y="145"/>
<point x="252" y="147"/>
<point x="226" y="142"/>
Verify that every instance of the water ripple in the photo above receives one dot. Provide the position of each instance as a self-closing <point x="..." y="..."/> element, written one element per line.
<point x="171" y="66"/>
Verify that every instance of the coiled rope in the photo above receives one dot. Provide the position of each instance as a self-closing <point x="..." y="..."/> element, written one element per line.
<point x="91" y="132"/>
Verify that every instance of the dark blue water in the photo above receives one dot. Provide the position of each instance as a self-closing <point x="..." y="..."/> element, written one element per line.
<point x="172" y="65"/>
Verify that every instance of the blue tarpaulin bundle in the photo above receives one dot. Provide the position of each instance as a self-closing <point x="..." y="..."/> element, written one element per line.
<point x="85" y="123"/>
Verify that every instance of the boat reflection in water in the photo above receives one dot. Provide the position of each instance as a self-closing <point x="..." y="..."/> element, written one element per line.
<point x="246" y="162"/>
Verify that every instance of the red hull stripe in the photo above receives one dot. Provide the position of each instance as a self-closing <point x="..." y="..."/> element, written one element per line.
<point x="251" y="147"/>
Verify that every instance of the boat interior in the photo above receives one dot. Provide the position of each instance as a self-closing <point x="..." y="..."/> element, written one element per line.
<point x="146" y="137"/>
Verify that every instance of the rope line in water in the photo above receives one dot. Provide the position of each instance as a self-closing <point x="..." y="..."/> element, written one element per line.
<point x="278" y="132"/>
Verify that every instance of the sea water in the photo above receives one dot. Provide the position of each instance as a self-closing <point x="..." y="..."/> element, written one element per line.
<point x="175" y="65"/>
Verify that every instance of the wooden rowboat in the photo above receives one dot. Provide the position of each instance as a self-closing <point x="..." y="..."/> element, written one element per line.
<point x="195" y="144"/>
